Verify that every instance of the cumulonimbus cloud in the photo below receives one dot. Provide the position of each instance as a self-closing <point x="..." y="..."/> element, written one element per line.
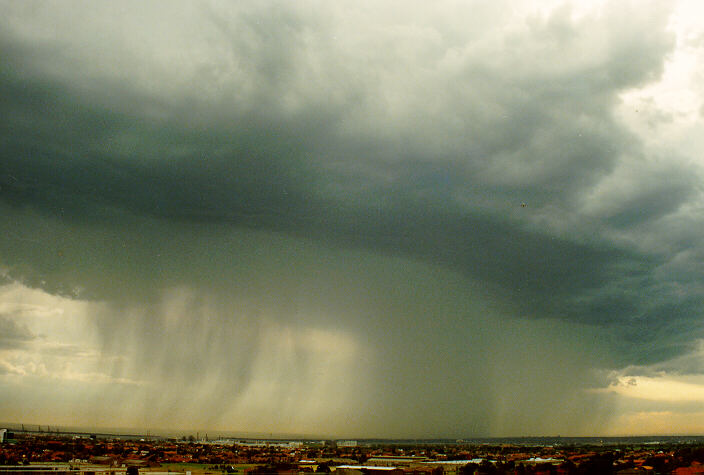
<point x="277" y="166"/>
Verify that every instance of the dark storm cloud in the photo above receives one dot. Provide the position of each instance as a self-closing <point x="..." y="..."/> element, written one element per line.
<point x="131" y="167"/>
<point x="531" y="132"/>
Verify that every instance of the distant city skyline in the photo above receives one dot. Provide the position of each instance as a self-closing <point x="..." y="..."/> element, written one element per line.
<point x="377" y="219"/>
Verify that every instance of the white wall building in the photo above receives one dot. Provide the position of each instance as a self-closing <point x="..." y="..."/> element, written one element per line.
<point x="347" y="443"/>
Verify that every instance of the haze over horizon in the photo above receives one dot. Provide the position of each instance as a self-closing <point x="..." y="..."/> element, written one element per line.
<point x="206" y="434"/>
<point x="366" y="219"/>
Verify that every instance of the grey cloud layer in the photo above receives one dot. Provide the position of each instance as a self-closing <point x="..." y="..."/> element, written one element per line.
<point x="136" y="140"/>
<point x="13" y="334"/>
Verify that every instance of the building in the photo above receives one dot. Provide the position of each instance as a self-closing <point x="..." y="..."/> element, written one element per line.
<point x="347" y="443"/>
<point x="395" y="461"/>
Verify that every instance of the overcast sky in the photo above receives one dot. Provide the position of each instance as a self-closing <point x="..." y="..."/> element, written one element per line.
<point x="353" y="219"/>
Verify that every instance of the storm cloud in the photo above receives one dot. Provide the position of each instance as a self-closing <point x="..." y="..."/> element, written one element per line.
<point x="14" y="335"/>
<point x="321" y="218"/>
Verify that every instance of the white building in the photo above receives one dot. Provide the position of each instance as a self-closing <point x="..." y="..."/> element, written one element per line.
<point x="347" y="443"/>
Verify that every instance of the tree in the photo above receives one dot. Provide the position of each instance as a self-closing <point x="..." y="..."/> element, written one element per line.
<point x="468" y="469"/>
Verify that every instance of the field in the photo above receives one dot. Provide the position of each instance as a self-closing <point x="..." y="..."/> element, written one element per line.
<point x="194" y="468"/>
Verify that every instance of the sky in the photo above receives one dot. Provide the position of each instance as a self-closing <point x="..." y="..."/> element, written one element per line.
<point x="353" y="219"/>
